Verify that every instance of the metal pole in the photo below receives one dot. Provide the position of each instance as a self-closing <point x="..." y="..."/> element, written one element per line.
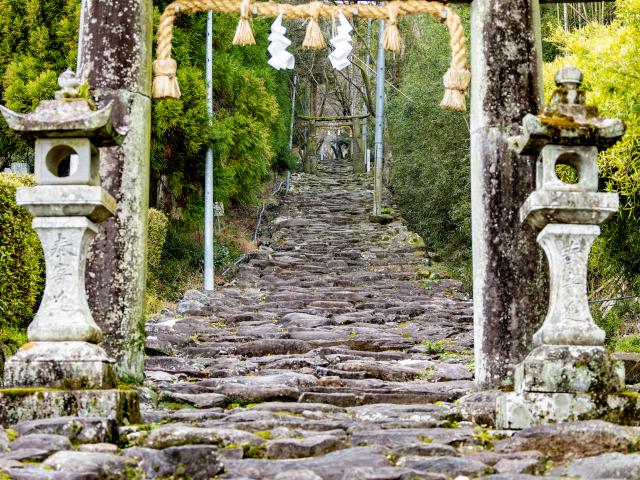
<point x="379" y="139"/>
<point x="293" y="117"/>
<point x="209" y="227"/>
<point x="79" y="65"/>
<point x="365" y="108"/>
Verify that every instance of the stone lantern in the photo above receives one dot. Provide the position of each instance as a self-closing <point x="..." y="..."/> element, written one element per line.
<point x="568" y="375"/>
<point x="63" y="354"/>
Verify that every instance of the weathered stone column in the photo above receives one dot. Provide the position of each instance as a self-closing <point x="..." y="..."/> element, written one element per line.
<point x="509" y="272"/>
<point x="116" y="59"/>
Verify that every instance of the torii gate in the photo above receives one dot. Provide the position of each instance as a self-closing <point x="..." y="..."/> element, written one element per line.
<point x="509" y="272"/>
<point x="346" y="121"/>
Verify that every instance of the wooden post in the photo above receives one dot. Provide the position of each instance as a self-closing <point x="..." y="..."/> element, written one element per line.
<point x="356" y="141"/>
<point x="310" y="160"/>
<point x="116" y="59"/>
<point x="509" y="271"/>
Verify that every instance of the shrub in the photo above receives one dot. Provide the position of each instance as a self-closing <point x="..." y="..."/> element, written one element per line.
<point x="21" y="257"/>
<point x="621" y="323"/>
<point x="630" y="343"/>
<point x="158" y="224"/>
<point x="430" y="176"/>
<point x="606" y="53"/>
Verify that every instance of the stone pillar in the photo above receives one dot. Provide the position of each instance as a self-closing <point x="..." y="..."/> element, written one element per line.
<point x="569" y="319"/>
<point x="116" y="60"/>
<point x="65" y="242"/>
<point x="508" y="268"/>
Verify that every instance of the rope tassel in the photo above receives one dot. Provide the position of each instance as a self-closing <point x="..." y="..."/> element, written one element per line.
<point x="165" y="79"/>
<point x="313" y="37"/>
<point x="391" y="39"/>
<point x="244" y="33"/>
<point x="456" y="82"/>
<point x="458" y="77"/>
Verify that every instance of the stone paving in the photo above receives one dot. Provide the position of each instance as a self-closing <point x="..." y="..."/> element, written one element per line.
<point x="333" y="354"/>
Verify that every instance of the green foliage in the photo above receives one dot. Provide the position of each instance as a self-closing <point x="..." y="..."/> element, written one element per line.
<point x="158" y="223"/>
<point x="248" y="134"/>
<point x="437" y="346"/>
<point x="430" y="171"/>
<point x="620" y="323"/>
<point x="629" y="343"/>
<point x="609" y="57"/>
<point x="38" y="40"/>
<point x="181" y="264"/>
<point x="21" y="258"/>
<point x="11" y="339"/>
<point x="615" y="256"/>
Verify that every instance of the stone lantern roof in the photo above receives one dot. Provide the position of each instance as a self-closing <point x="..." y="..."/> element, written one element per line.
<point x="567" y="120"/>
<point x="68" y="116"/>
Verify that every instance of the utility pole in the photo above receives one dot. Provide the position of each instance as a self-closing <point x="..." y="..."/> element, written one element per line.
<point x="365" y="108"/>
<point x="293" y="120"/>
<point x="79" y="66"/>
<point x="379" y="140"/>
<point x="356" y="138"/>
<point x="209" y="231"/>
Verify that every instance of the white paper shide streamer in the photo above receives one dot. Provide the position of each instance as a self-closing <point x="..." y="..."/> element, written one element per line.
<point x="280" y="58"/>
<point x="342" y="44"/>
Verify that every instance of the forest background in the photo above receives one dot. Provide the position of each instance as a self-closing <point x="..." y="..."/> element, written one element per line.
<point x="427" y="173"/>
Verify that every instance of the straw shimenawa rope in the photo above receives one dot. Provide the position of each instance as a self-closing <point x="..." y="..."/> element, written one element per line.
<point x="456" y="80"/>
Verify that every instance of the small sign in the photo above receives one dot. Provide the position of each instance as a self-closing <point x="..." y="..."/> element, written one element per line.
<point x="218" y="209"/>
<point x="19" y="167"/>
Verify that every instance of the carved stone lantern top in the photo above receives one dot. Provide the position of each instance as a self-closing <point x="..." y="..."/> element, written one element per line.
<point x="567" y="120"/>
<point x="568" y="133"/>
<point x="71" y="115"/>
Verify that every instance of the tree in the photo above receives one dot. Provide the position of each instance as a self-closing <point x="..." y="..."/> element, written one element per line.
<point x="38" y="40"/>
<point x="251" y="104"/>
<point x="430" y="173"/>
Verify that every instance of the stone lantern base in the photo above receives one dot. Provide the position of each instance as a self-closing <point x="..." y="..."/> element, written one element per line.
<point x="562" y="383"/>
<point x="60" y="365"/>
<point x="64" y="379"/>
<point x="517" y="411"/>
<point x="24" y="404"/>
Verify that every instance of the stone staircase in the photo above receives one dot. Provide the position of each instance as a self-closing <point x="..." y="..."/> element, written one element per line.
<point x="333" y="354"/>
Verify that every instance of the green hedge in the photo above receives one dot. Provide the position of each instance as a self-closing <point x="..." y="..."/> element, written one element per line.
<point x="21" y="257"/>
